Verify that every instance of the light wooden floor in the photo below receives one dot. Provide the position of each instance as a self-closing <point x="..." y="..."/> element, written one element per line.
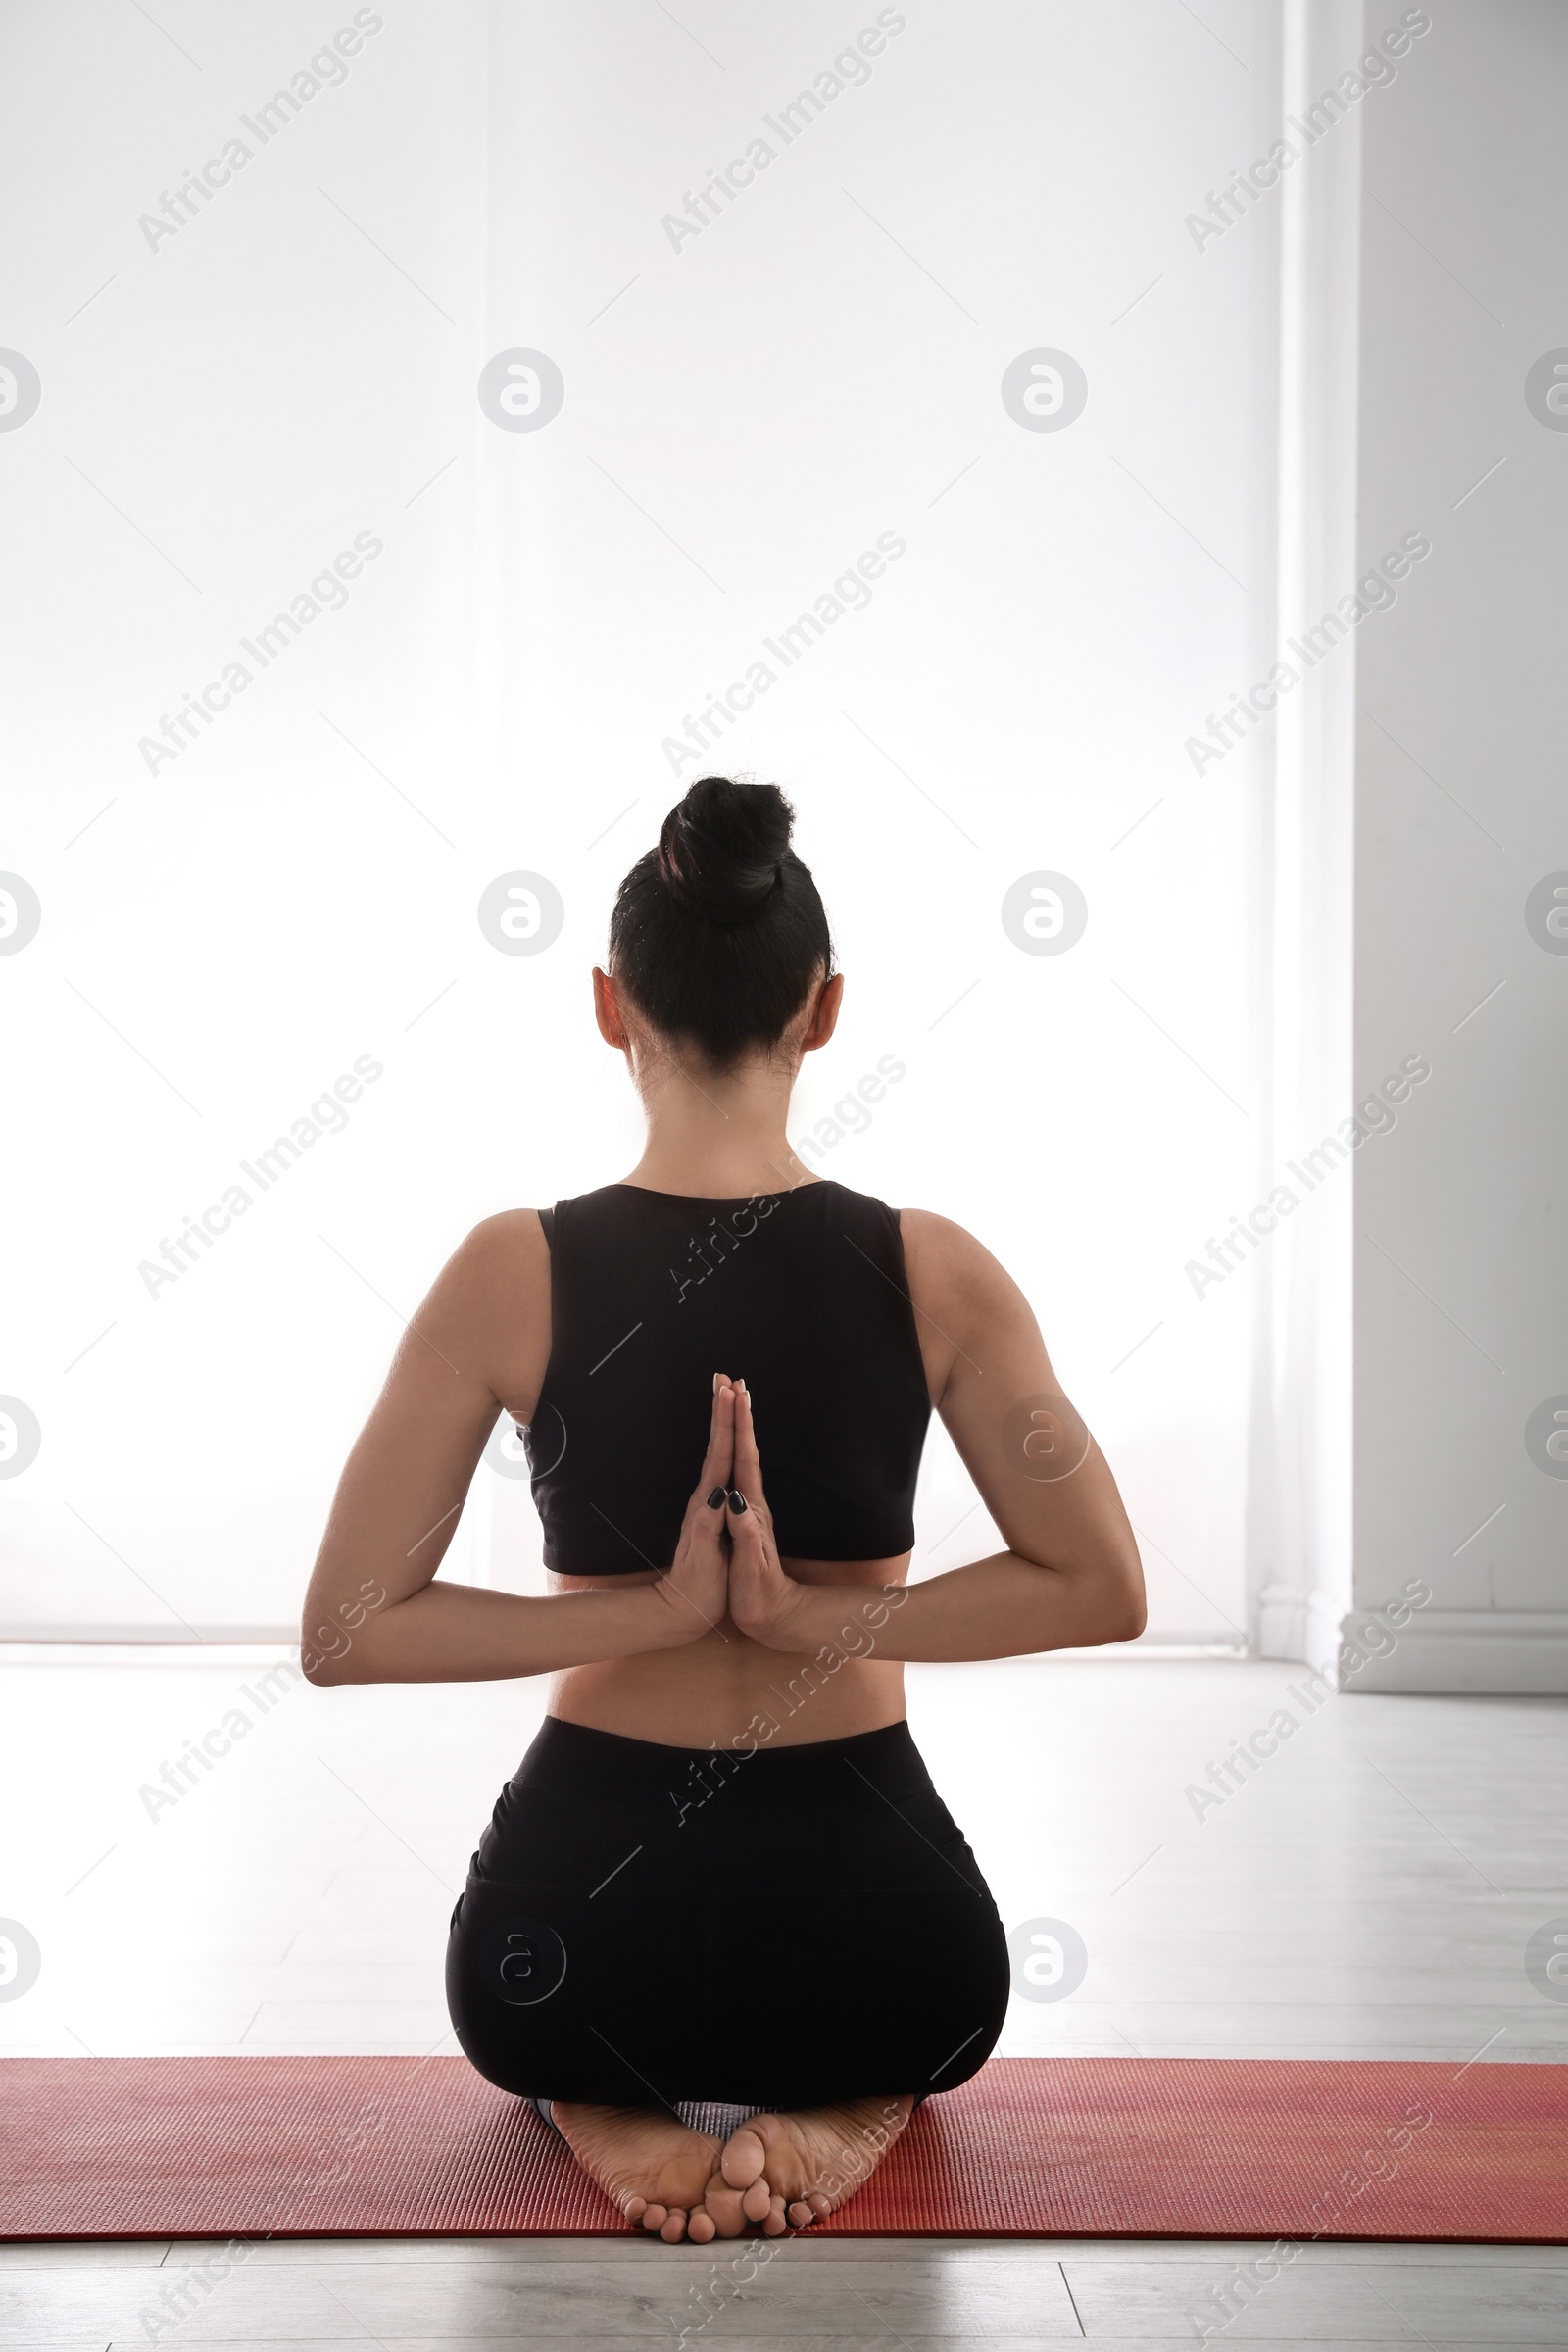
<point x="849" y="2294"/>
<point x="1369" y="1892"/>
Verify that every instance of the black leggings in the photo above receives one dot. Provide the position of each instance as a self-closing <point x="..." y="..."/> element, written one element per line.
<point x="646" y="1926"/>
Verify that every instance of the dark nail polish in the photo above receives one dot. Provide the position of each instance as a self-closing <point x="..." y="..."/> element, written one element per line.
<point x="716" y="1499"/>
<point x="737" y="1501"/>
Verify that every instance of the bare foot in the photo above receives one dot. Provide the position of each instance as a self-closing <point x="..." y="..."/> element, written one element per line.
<point x="651" y="2168"/>
<point x="730" y="2211"/>
<point x="809" y="2162"/>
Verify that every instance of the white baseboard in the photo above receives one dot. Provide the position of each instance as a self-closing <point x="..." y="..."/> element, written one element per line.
<point x="1500" y="1650"/>
<point x="1295" y="1621"/>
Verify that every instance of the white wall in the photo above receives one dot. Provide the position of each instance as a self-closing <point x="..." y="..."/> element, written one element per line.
<point x="1461" y="1278"/>
<point x="228" y="931"/>
<point x="743" y="416"/>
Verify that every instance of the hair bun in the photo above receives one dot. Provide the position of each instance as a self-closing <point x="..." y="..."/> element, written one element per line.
<point x="722" y="850"/>
<point x="719" y="934"/>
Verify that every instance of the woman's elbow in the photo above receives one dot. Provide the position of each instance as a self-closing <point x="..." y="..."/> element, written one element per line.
<point x="1128" y="1607"/>
<point x="329" y="1668"/>
<point x="1128" y="1618"/>
<point x="339" y="1646"/>
<point x="1120" y="1610"/>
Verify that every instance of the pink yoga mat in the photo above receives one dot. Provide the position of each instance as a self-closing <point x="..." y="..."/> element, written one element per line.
<point x="1032" y="2147"/>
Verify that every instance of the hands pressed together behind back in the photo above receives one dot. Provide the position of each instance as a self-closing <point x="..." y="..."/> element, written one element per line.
<point x="1070" y="1574"/>
<point x="727" y="1563"/>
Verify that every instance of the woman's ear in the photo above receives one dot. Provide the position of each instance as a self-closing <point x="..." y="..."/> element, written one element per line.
<point x="607" y="1014"/>
<point x="824" y="1014"/>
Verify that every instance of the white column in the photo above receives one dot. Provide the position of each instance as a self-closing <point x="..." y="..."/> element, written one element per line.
<point x="1461" y="1269"/>
<point x="1298" y="1517"/>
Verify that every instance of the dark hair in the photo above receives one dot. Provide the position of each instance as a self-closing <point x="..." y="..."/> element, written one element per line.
<point x="718" y="934"/>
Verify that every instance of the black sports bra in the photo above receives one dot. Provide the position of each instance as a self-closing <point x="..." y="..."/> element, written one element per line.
<point x="803" y="1294"/>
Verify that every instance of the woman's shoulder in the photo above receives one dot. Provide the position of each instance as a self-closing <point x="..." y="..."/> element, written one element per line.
<point x="934" y="1244"/>
<point x="947" y="1262"/>
<point x="501" y="1262"/>
<point x="511" y="1233"/>
<point x="491" y="1305"/>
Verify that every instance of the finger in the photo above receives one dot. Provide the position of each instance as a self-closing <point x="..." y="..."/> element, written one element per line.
<point x="718" y="1465"/>
<point x="747" y="1463"/>
<point x="751" y="1549"/>
<point x="718" y="1461"/>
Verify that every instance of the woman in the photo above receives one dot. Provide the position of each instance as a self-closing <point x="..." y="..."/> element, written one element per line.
<point x="721" y="1929"/>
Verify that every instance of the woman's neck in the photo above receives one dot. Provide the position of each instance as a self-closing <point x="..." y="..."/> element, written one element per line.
<point x="719" y="1138"/>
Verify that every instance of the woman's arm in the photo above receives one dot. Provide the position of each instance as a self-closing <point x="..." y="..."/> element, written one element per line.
<point x="1070" y="1576"/>
<point x="373" y="1612"/>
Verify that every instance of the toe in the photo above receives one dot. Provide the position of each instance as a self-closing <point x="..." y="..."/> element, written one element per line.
<point x="674" y="2229"/>
<point x="757" y="2201"/>
<point x="743" y="2158"/>
<point x="722" y="2205"/>
<point x="820" y="2206"/>
<point x="653" y="2217"/>
<point x="701" y="2227"/>
<point x="636" y="2207"/>
<point x="775" y="2224"/>
<point x="799" y="2214"/>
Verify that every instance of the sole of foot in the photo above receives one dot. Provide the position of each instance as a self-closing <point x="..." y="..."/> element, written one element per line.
<point x="811" y="2161"/>
<point x="651" y="2168"/>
